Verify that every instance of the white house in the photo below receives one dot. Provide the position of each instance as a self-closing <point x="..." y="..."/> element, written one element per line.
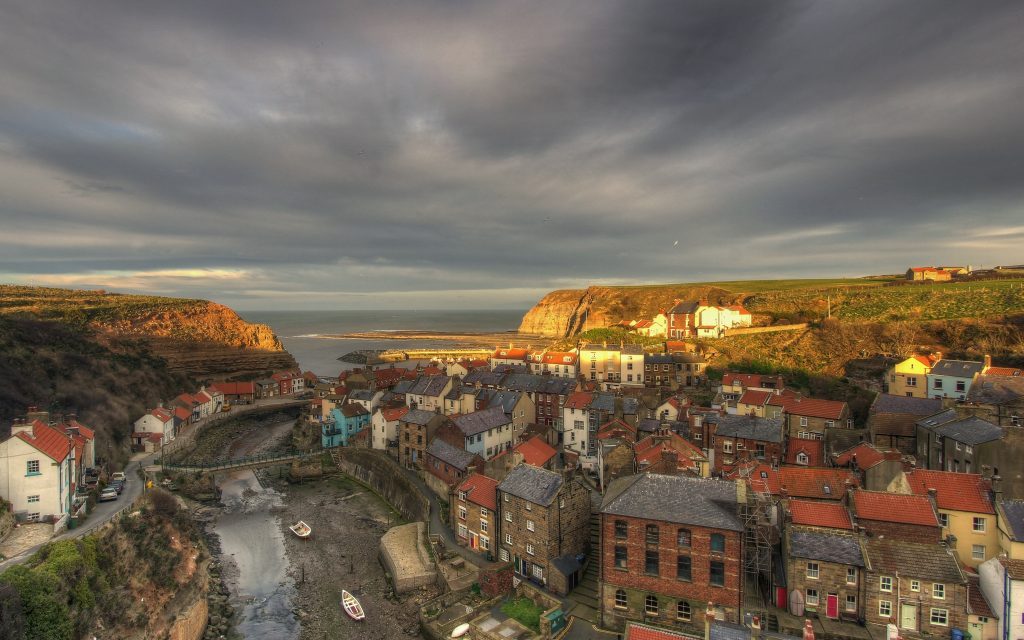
<point x="36" y="471"/>
<point x="631" y="365"/>
<point x="384" y="426"/>
<point x="576" y="421"/>
<point x="159" y="421"/>
<point x="1002" y="583"/>
<point x="366" y="398"/>
<point x="487" y="432"/>
<point x="205" y="403"/>
<point x="953" y="378"/>
<point x="428" y="392"/>
<point x="560" y="363"/>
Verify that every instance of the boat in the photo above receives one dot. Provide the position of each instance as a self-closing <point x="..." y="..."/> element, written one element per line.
<point x="460" y="630"/>
<point x="352" y="606"/>
<point x="301" y="529"/>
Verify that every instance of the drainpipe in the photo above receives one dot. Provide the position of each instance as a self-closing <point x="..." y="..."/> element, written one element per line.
<point x="709" y="615"/>
<point x="1007" y="601"/>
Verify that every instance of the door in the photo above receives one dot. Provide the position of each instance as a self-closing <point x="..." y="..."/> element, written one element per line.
<point x="908" y="617"/>
<point x="473" y="541"/>
<point x="832" y="606"/>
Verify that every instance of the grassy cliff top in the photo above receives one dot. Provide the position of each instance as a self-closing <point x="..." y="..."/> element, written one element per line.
<point x="72" y="305"/>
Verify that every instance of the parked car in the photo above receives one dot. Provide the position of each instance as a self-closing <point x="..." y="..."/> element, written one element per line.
<point x="116" y="485"/>
<point x="108" y="494"/>
<point x="118" y="475"/>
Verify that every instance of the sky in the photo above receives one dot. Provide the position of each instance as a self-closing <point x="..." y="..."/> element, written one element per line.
<point x="456" y="154"/>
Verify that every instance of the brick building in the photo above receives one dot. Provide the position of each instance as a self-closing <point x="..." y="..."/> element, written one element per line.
<point x="415" y="430"/>
<point x="475" y="512"/>
<point x="743" y="437"/>
<point x="670" y="545"/>
<point x="446" y="466"/>
<point x="827" y="568"/>
<point x="544" y="525"/>
<point x="810" y="417"/>
<point x="903" y="517"/>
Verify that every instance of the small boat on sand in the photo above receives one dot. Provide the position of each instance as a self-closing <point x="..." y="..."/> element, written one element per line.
<point x="301" y="529"/>
<point x="352" y="606"/>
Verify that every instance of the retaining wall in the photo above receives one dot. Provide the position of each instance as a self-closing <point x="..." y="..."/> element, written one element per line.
<point x="191" y="623"/>
<point x="742" y="331"/>
<point x="382" y="474"/>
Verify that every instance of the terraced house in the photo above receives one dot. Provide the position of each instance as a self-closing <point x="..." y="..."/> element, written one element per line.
<point x="475" y="513"/>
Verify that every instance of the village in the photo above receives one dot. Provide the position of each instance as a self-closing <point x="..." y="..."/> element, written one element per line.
<point x="615" y="489"/>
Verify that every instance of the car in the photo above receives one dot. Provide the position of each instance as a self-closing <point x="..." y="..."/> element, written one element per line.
<point x="116" y="485"/>
<point x="118" y="475"/>
<point x="108" y="494"/>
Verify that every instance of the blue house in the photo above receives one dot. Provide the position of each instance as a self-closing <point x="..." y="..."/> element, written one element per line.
<point x="346" y="421"/>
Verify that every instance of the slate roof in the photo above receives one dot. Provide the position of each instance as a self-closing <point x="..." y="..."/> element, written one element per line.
<point x="920" y="561"/>
<point x="480" y="421"/>
<point x="970" y="430"/>
<point x="527" y="382"/>
<point x="888" y="403"/>
<point x="650" y="425"/>
<point x="748" y="427"/>
<point x="534" y="484"/>
<point x="403" y="386"/>
<point x="418" y="416"/>
<point x="429" y="385"/>
<point x="603" y="402"/>
<point x="351" y="410"/>
<point x="685" y="307"/>
<point x="939" y="418"/>
<point x="702" y="502"/>
<point x="505" y="399"/>
<point x="361" y="394"/>
<point x="957" y="368"/>
<point x="559" y="386"/>
<point x="996" y="389"/>
<point x="892" y="507"/>
<point x="1014" y="512"/>
<point x="827" y="547"/>
<point x="813" y="513"/>
<point x="458" y="458"/>
<point x="658" y="358"/>
<point x="485" y="377"/>
<point x="954" y="491"/>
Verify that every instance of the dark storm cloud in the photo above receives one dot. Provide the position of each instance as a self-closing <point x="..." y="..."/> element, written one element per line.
<point x="317" y="152"/>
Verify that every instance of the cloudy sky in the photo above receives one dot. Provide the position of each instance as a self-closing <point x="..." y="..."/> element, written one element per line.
<point x="375" y="154"/>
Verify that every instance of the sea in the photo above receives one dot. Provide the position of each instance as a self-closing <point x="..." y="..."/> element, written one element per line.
<point x="306" y="334"/>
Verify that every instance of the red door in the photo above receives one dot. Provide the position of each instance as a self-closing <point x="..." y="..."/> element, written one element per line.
<point x="832" y="606"/>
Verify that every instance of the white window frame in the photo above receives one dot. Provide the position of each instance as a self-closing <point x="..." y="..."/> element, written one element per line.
<point x="851" y="575"/>
<point x="885" y="608"/>
<point x="885" y="584"/>
<point x="530" y="548"/>
<point x="623" y="602"/>
<point x="939" y="591"/>
<point x="915" y="585"/>
<point x="503" y="554"/>
<point x="978" y="524"/>
<point x="508" y="516"/>
<point x="944" y="613"/>
<point x="813" y="571"/>
<point x="811" y="597"/>
<point x="975" y="555"/>
<point x="529" y="525"/>
<point x="803" y="421"/>
<point x="508" y="538"/>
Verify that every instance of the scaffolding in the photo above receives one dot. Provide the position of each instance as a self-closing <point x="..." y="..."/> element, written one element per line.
<point x="758" y="511"/>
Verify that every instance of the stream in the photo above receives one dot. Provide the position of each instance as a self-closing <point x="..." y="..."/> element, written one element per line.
<point x="252" y="539"/>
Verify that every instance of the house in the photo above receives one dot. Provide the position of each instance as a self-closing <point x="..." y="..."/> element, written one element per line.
<point x="204" y="404"/>
<point x="805" y="452"/>
<point x="37" y="473"/>
<point x="809" y="417"/>
<point x="267" y="388"/>
<point x="892" y="420"/>
<point x="237" y="392"/>
<point x="475" y="512"/>
<point x="966" y="512"/>
<point x="826" y="568"/>
<point x="285" y="381"/>
<point x="576" y="421"/>
<point x="561" y="364"/>
<point x="670" y="545"/>
<point x="909" y="377"/>
<point x="895" y="516"/>
<point x="510" y="356"/>
<point x="447" y="466"/>
<point x="602" y="363"/>
<point x="384" y="426"/>
<point x="486" y="433"/>
<point x="919" y="585"/>
<point x="1010" y="522"/>
<point x="517" y="405"/>
<point x="734" y="384"/>
<point x="346" y="421"/>
<point x="159" y="421"/>
<point x="813" y="483"/>
<point x="544" y="526"/>
<point x="1002" y="583"/>
<point x="535" y="452"/>
<point x="656" y="327"/>
<point x="549" y="396"/>
<point x="415" y="430"/>
<point x="921" y="274"/>
<point x="666" y="452"/>
<point x="659" y="371"/>
<point x="878" y="470"/>
<point x="369" y="399"/>
<point x="969" y="444"/>
<point x="428" y="392"/>
<point x="83" y="440"/>
<point x="632" y="360"/>
<point x="953" y="378"/>
<point x="689" y="368"/>
<point x="743" y="437"/>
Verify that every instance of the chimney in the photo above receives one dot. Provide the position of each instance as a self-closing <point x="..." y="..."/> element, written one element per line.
<point x="670" y="460"/>
<point x="997" y="488"/>
<point x="937" y="356"/>
<point x="23" y="425"/>
<point x="988" y="363"/>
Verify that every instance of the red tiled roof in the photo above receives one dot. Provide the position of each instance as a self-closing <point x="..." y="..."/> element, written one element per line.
<point x="820" y="514"/>
<point x="893" y="507"/>
<point x="1004" y="371"/>
<point x="811" y="407"/>
<point x="753" y="397"/>
<point x="801" y="482"/>
<point x="202" y="397"/>
<point x="510" y="354"/>
<point x="927" y="361"/>
<point x="234" y="388"/>
<point x="186" y="399"/>
<point x="748" y="379"/>
<point x="649" y="450"/>
<point x="866" y="455"/>
<point x="579" y="400"/>
<point x="49" y="441"/>
<point x="637" y="631"/>
<point x="282" y="375"/>
<point x="481" y="490"/>
<point x="182" y="413"/>
<point x="559" y="357"/>
<point x="616" y="428"/>
<point x="739" y="309"/>
<point x="74" y="426"/>
<point x="975" y="597"/>
<point x="394" y="414"/>
<point x="674" y="402"/>
<point x="535" y="451"/>
<point x="161" y="414"/>
<point x="813" y="449"/>
<point x="954" y="491"/>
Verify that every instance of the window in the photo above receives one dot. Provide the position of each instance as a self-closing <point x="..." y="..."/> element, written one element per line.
<point x="943" y="519"/>
<point x="462" y="496"/>
<point x="463" y="531"/>
<point x="621" y="557"/>
<point x="885" y="584"/>
<point x="727" y="446"/>
<point x="561" y="503"/>
<point x="683" y="538"/>
<point x="717" y="574"/>
<point x="538" y="571"/>
<point x="911" y="381"/>
<point x="506" y="497"/>
<point x="812" y="597"/>
<point x="939" y="591"/>
<point x="32" y="468"/>
<point x="508" y="538"/>
<point x="915" y="585"/>
<point x="33" y="498"/>
<point x="979" y="525"/>
<point x="884" y="609"/>
<point x="684" y="568"/>
<point x="803" y="421"/>
<point x="652" y="534"/>
<point x="651" y="562"/>
<point x="937" y="383"/>
<point x="529" y="525"/>
<point x="683" y="611"/>
<point x="829" y="424"/>
<point x="620" y="599"/>
<point x="801" y="458"/>
<point x="978" y="551"/>
<point x="462" y="513"/>
<point x="759" y="450"/>
<point x="503" y="554"/>
<point x="508" y="516"/>
<point x="851" y="603"/>
<point x="812" y="570"/>
<point x="961" y="386"/>
<point x="851" y="575"/>
<point x="529" y="507"/>
<point x="718" y="542"/>
<point x="940" y="617"/>
<point x="621" y="528"/>
<point x="969" y="449"/>
<point x="529" y="548"/>
<point x="651" y="605"/>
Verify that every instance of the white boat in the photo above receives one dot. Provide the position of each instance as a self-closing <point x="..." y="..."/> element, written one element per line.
<point x="301" y="529"/>
<point x="352" y="606"/>
<point x="460" y="630"/>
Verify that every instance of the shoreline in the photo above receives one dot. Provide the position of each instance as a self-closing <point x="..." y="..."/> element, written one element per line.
<point x="488" y="338"/>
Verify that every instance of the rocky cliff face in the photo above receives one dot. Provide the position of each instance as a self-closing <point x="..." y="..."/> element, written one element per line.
<point x="567" y="312"/>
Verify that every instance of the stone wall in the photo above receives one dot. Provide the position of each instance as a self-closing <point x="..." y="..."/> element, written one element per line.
<point x="403" y="552"/>
<point x="191" y="623"/>
<point x="382" y="474"/>
<point x="739" y="331"/>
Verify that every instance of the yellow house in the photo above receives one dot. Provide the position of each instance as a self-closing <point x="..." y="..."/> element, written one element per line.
<point x="1010" y="517"/>
<point x="964" y="503"/>
<point x="909" y="378"/>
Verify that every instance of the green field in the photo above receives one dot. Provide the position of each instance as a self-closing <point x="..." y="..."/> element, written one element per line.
<point x="757" y="286"/>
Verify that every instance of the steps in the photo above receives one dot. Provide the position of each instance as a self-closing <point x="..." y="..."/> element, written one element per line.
<point x="585" y="597"/>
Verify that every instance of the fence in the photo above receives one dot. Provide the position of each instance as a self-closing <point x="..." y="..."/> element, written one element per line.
<point x="264" y="459"/>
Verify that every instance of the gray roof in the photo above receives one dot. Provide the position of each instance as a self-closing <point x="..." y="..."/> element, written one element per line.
<point x="479" y="421"/>
<point x="560" y="386"/>
<point x="361" y="394"/>
<point x="687" y="306"/>
<point x="534" y="484"/>
<point x="418" y="416"/>
<point x="429" y="385"/>
<point x="653" y="424"/>
<point x="728" y="631"/>
<point x="484" y="377"/>
<point x="351" y="410"/>
<point x="603" y="402"/>
<point x="888" y="403"/>
<point x="996" y="390"/>
<point x="940" y="418"/>
<point x="1014" y="512"/>
<point x="957" y="368"/>
<point x="701" y="502"/>
<point x="922" y="561"/>
<point x="827" y="547"/>
<point x="505" y="399"/>
<point x="748" y="427"/>
<point x="688" y="357"/>
<point x="970" y="430"/>
<point x="630" y="406"/>
<point x="658" y="358"/>
<point x="458" y="458"/>
<point x="403" y="386"/>
<point x="527" y="382"/>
